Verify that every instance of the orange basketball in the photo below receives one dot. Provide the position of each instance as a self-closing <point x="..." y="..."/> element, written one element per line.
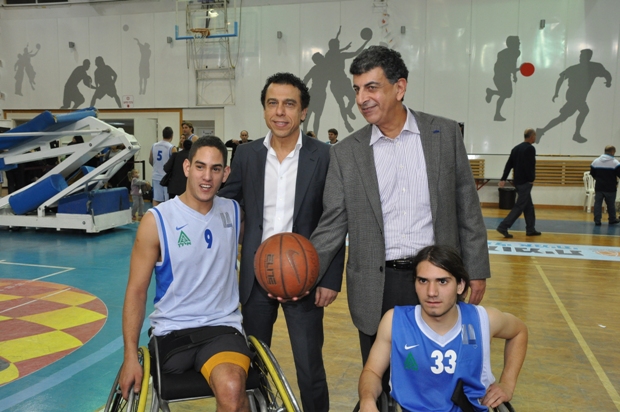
<point x="286" y="265"/>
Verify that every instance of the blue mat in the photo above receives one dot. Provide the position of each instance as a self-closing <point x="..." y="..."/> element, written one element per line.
<point x="44" y="122"/>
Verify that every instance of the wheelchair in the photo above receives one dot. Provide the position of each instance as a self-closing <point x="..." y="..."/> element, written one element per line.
<point x="266" y="386"/>
<point x="385" y="403"/>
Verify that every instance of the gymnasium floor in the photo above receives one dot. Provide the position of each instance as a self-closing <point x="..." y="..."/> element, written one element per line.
<point x="61" y="297"/>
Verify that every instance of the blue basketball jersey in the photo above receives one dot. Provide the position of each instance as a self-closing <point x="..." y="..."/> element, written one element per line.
<point x="197" y="277"/>
<point x="425" y="366"/>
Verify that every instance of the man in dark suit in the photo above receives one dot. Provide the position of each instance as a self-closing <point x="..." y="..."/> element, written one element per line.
<point x="523" y="160"/>
<point x="399" y="184"/>
<point x="234" y="143"/>
<point x="279" y="181"/>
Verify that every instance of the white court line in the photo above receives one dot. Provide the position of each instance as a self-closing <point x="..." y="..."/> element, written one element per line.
<point x="36" y="300"/>
<point x="609" y="387"/>
<point x="6" y="289"/>
<point x="64" y="270"/>
<point x="4" y="262"/>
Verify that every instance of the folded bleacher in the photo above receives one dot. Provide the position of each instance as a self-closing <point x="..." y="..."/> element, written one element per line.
<point x="70" y="195"/>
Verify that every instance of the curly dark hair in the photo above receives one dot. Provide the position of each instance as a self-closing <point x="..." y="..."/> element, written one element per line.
<point x="380" y="56"/>
<point x="446" y="258"/>
<point x="287" y="78"/>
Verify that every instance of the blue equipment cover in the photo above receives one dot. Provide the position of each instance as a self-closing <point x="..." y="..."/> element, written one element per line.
<point x="44" y="122"/>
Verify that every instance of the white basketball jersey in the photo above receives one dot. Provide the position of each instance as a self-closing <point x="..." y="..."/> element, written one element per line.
<point x="161" y="153"/>
<point x="197" y="277"/>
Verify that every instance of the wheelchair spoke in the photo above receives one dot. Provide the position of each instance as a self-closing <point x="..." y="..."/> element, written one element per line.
<point x="275" y="387"/>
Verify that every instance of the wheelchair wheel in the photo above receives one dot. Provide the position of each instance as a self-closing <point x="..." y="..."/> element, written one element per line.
<point x="504" y="407"/>
<point x="136" y="401"/>
<point x="275" y="387"/>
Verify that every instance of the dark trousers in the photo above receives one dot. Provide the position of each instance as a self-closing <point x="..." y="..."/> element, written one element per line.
<point x="304" y="321"/>
<point x="610" y="200"/>
<point x="523" y="205"/>
<point x="399" y="290"/>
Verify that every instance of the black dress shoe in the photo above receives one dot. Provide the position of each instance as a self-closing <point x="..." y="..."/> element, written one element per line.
<point x="534" y="233"/>
<point x="614" y="222"/>
<point x="504" y="232"/>
<point x="597" y="223"/>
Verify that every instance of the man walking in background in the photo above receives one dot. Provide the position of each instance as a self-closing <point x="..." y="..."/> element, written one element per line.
<point x="523" y="160"/>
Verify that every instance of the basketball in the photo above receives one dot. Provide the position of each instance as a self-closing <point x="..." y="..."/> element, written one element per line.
<point x="366" y="33"/>
<point x="286" y="265"/>
<point x="527" y="69"/>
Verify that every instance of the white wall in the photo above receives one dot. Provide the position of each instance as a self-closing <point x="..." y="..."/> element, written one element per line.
<point x="450" y="47"/>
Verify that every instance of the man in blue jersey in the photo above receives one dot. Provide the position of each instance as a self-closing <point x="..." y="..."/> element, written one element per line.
<point x="434" y="345"/>
<point x="191" y="244"/>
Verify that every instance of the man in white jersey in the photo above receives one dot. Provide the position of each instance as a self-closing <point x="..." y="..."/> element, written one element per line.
<point x="187" y="130"/>
<point x="191" y="243"/>
<point x="160" y="153"/>
<point x="434" y="345"/>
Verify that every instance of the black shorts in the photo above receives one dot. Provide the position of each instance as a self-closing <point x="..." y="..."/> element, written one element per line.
<point x="202" y="349"/>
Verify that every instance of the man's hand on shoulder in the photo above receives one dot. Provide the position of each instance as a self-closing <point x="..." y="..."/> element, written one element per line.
<point x="324" y="297"/>
<point x="477" y="286"/>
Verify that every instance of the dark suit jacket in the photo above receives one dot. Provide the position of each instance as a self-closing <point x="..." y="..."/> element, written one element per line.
<point x="174" y="167"/>
<point x="523" y="160"/>
<point x="352" y="204"/>
<point x="246" y="184"/>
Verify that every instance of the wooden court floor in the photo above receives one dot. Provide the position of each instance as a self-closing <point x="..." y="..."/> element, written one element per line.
<point x="570" y="306"/>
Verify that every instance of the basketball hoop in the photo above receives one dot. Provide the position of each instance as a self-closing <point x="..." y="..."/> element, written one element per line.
<point x="202" y="32"/>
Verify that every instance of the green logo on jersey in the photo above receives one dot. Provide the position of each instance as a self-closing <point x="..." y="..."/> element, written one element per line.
<point x="410" y="363"/>
<point x="183" y="240"/>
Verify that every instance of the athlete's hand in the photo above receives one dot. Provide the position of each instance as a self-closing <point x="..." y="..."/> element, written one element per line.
<point x="496" y="395"/>
<point x="131" y="377"/>
<point x="554" y="97"/>
<point x="324" y="297"/>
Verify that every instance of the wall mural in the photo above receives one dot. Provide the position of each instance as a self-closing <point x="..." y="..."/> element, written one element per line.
<point x="505" y="68"/>
<point x="105" y="82"/>
<point x="72" y="93"/>
<point x="144" y="70"/>
<point x="23" y="65"/>
<point x="331" y="69"/>
<point x="580" y="80"/>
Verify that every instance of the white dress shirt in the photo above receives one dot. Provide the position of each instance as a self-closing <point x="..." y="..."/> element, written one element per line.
<point x="280" y="183"/>
<point x="403" y="189"/>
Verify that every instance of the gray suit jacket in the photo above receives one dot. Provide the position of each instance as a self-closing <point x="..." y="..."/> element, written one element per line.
<point x="352" y="205"/>
<point x="246" y="184"/>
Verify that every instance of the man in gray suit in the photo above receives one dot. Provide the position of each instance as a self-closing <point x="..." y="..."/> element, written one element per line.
<point x="400" y="183"/>
<point x="279" y="181"/>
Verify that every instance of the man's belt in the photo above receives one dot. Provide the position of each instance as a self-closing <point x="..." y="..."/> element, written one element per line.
<point x="400" y="264"/>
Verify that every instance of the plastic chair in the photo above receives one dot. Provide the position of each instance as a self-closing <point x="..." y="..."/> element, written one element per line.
<point x="588" y="182"/>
